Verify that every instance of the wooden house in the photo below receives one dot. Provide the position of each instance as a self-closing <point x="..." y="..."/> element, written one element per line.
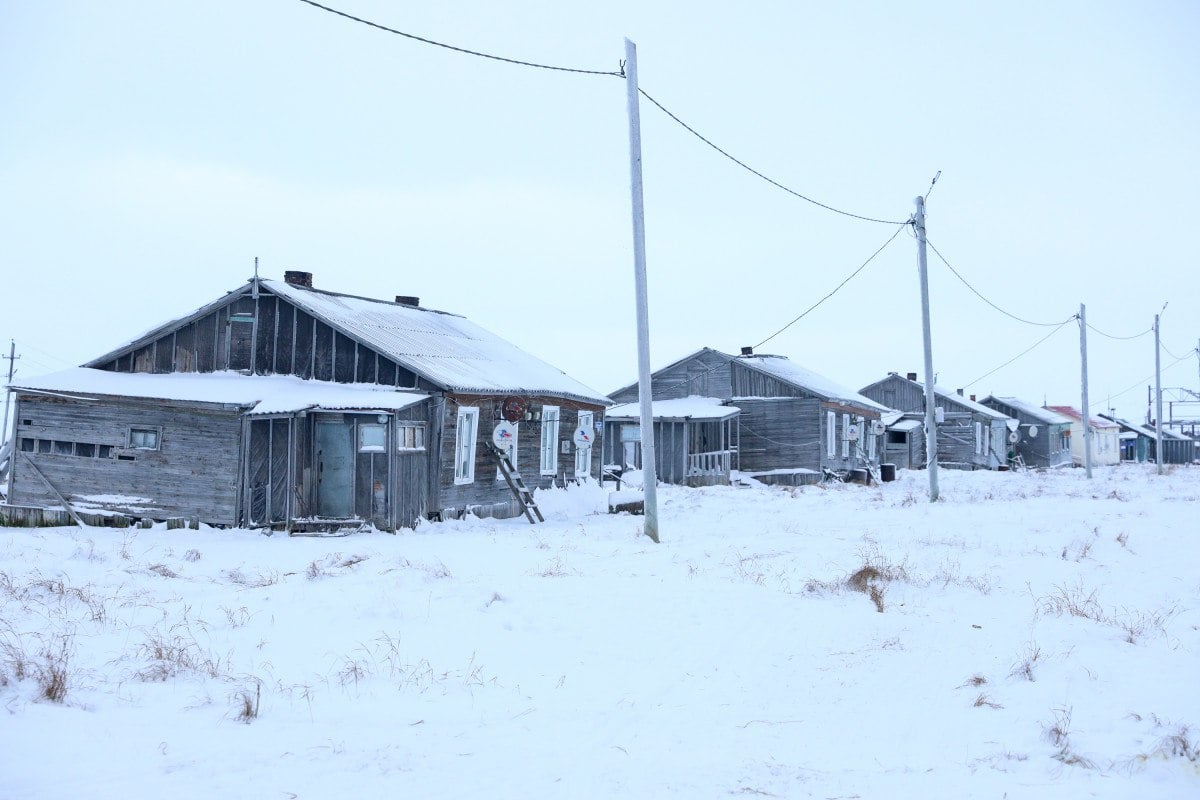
<point x="1106" y="438"/>
<point x="794" y="425"/>
<point x="282" y="405"/>
<point x="1043" y="436"/>
<point x="1139" y="443"/>
<point x="969" y="435"/>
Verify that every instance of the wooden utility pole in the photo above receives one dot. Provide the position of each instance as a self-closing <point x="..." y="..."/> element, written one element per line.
<point x="1083" y="378"/>
<point x="930" y="395"/>
<point x="645" y="393"/>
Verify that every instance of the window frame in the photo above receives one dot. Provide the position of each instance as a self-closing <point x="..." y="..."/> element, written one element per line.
<point x="418" y="437"/>
<point x="551" y="421"/>
<point x="156" y="430"/>
<point x="583" y="455"/>
<point x="363" y="447"/>
<point x="831" y="434"/>
<point x="466" y="432"/>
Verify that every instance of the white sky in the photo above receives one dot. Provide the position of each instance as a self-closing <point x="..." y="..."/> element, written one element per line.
<point x="149" y="151"/>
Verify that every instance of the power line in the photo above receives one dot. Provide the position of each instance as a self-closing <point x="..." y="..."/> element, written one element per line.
<point x="28" y="346"/>
<point x="1018" y="355"/>
<point x="989" y="302"/>
<point x="414" y="37"/>
<point x="1149" y="377"/>
<point x="753" y="171"/>
<point x="1121" y="338"/>
<point x="837" y="288"/>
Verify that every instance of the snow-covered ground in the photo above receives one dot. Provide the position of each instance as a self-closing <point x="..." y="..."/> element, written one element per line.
<point x="1032" y="635"/>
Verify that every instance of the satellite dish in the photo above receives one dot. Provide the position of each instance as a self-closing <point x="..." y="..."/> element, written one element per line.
<point x="877" y="427"/>
<point x="1014" y="437"/>
<point x="852" y="434"/>
<point x="1033" y="429"/>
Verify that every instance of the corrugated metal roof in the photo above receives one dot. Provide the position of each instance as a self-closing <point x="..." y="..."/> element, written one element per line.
<point x="788" y="371"/>
<point x="1069" y="411"/>
<point x="1044" y="415"/>
<point x="447" y="349"/>
<point x="693" y="407"/>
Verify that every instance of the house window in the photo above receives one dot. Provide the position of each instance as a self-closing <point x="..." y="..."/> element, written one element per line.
<point x="583" y="455"/>
<point x="978" y="438"/>
<point x="27" y="445"/>
<point x="85" y="450"/>
<point x="143" y="438"/>
<point x="831" y="433"/>
<point x="549" y="460"/>
<point x="372" y="438"/>
<point x="464" y="445"/>
<point x="410" y="437"/>
<point x="845" y="435"/>
<point x="104" y="451"/>
<point x="43" y="445"/>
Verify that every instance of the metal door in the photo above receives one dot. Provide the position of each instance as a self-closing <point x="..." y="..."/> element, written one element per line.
<point x="335" y="469"/>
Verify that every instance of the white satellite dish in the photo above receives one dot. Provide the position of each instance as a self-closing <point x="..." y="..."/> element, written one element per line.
<point x="877" y="427"/>
<point x="1014" y="437"/>
<point x="1033" y="429"/>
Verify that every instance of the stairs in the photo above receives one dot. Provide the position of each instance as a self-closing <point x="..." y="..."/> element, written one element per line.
<point x="516" y="485"/>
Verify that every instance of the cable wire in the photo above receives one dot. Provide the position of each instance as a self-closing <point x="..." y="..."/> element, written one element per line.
<point x="837" y="288"/>
<point x="753" y="171"/>
<point x="989" y="302"/>
<point x="1023" y="352"/>
<point x="618" y="73"/>
<point x="1120" y="338"/>
<point x="1139" y="384"/>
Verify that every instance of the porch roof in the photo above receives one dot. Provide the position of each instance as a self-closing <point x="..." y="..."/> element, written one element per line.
<point x="259" y="394"/>
<point x="685" y="408"/>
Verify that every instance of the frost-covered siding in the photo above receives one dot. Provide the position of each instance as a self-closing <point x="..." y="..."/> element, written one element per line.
<point x="971" y="436"/>
<point x="1043" y="435"/>
<point x="190" y="474"/>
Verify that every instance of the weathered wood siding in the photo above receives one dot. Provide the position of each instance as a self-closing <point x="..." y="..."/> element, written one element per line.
<point x="192" y="474"/>
<point x="488" y="494"/>
<point x="705" y="374"/>
<point x="783" y="433"/>
<point x="268" y="336"/>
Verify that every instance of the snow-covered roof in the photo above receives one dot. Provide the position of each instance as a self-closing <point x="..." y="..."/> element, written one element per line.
<point x="1077" y="416"/>
<point x="444" y="348"/>
<point x="694" y="407"/>
<point x="260" y="394"/>
<point x="1146" y="430"/>
<point x="1043" y="415"/>
<point x="788" y="371"/>
<point x="908" y="424"/>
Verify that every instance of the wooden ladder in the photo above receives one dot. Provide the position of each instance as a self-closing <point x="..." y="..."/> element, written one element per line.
<point x="516" y="485"/>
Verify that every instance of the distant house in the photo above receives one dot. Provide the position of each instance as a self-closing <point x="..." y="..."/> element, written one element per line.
<point x="1139" y="443"/>
<point x="969" y="435"/>
<point x="280" y="404"/>
<point x="1043" y="437"/>
<point x="1106" y="437"/>
<point x="793" y="424"/>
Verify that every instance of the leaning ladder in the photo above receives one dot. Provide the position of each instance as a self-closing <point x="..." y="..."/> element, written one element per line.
<point x="516" y="485"/>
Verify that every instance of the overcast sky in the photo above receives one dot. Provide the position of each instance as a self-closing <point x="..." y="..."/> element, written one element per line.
<point x="150" y="151"/>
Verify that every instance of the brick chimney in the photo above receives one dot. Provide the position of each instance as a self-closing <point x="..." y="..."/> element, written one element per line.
<point x="747" y="351"/>
<point x="298" y="278"/>
<point x="407" y="300"/>
<point x="972" y="398"/>
<point x="912" y="376"/>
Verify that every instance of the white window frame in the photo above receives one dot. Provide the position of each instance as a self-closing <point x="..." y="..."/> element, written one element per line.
<point x="845" y="435"/>
<point x="978" y="438"/>
<point x="831" y="433"/>
<point x="583" y="455"/>
<point x="363" y="428"/>
<point x="144" y="429"/>
<point x="466" y="431"/>
<point x="549" y="448"/>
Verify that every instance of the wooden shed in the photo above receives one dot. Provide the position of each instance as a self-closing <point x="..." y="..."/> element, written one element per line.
<point x="794" y="425"/>
<point x="283" y="405"/>
<point x="1043" y="435"/>
<point x="969" y="435"/>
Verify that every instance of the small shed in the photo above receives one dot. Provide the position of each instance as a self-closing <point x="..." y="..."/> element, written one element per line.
<point x="904" y="439"/>
<point x="1106" y="437"/>
<point x="1043" y="437"/>
<point x="969" y="435"/>
<point x="695" y="439"/>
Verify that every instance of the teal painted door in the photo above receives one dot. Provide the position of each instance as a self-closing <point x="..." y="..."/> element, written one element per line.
<point x="335" y="469"/>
